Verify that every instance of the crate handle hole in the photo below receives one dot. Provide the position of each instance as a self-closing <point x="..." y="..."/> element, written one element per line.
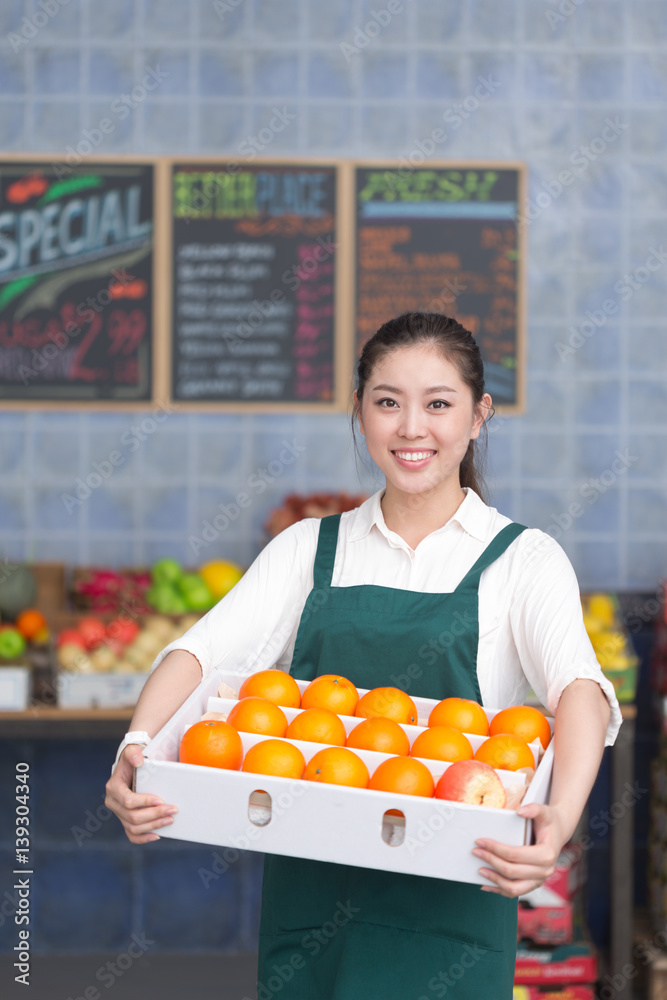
<point x="259" y="808"/>
<point x="393" y="827"/>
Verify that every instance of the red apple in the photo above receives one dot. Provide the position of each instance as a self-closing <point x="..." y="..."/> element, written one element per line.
<point x="70" y="636"/>
<point x="93" y="631"/>
<point x="124" y="630"/>
<point x="473" y="782"/>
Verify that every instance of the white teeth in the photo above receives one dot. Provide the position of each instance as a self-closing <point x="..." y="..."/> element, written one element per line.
<point x="414" y="456"/>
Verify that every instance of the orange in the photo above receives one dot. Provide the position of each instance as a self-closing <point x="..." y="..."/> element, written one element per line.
<point x="383" y="735"/>
<point x="275" y="757"/>
<point x="331" y="691"/>
<point x="506" y="752"/>
<point x="388" y="703"/>
<point x="523" y="721"/>
<point x="257" y="715"/>
<point x="442" y="743"/>
<point x="317" y="725"/>
<point x="462" y="714"/>
<point x="31" y="623"/>
<point x="213" y="744"/>
<point x="403" y="775"/>
<point x="274" y="685"/>
<point x="337" y="766"/>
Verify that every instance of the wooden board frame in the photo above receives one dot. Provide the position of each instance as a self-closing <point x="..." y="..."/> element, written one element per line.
<point x="345" y="292"/>
<point x="158" y="396"/>
<point x="343" y="338"/>
<point x="522" y="172"/>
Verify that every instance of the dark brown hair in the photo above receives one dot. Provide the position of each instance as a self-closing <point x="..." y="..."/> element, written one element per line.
<point x="455" y="344"/>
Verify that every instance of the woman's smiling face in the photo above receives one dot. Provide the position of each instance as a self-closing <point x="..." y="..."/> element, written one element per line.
<point x="418" y="416"/>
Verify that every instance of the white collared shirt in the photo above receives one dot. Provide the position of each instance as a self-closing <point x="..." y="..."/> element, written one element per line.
<point x="531" y="630"/>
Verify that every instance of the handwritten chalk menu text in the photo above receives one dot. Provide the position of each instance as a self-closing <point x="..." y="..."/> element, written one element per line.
<point x="442" y="240"/>
<point x="254" y="280"/>
<point x="76" y="261"/>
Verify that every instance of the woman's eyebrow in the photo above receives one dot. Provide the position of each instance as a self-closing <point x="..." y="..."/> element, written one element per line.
<point x="427" y="392"/>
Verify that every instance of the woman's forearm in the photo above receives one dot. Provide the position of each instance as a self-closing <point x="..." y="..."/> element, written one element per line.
<point x="579" y="736"/>
<point x="170" y="684"/>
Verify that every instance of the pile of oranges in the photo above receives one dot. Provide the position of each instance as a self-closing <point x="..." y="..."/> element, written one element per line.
<point x="383" y="712"/>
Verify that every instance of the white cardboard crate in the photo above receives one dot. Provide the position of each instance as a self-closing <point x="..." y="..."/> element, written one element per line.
<point x="99" y="690"/>
<point x="15" y="685"/>
<point x="320" y="821"/>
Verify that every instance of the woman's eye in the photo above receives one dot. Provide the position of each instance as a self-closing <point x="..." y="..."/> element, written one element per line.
<point x="391" y="402"/>
<point x="440" y="404"/>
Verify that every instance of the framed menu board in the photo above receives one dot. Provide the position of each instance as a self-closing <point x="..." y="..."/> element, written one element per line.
<point x="76" y="281"/>
<point x="445" y="238"/>
<point x="255" y="284"/>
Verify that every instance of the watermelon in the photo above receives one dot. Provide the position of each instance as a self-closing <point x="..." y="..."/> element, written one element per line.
<point x="18" y="590"/>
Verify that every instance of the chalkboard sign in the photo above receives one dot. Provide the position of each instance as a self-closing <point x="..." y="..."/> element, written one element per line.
<point x="444" y="238"/>
<point x="254" y="282"/>
<point x="76" y="280"/>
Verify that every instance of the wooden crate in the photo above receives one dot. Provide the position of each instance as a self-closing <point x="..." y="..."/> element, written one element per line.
<point x="51" y="592"/>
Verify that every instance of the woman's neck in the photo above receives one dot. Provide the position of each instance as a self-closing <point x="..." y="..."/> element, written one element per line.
<point x="413" y="516"/>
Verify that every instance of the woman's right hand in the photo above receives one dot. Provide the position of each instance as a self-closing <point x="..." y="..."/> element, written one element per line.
<point x="139" y="814"/>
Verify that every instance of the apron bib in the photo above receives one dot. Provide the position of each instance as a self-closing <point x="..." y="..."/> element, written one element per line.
<point x="338" y="932"/>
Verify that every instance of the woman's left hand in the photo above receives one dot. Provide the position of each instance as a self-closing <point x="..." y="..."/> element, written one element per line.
<point x="517" y="870"/>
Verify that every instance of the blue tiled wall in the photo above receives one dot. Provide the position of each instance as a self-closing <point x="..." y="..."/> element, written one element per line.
<point x="558" y="80"/>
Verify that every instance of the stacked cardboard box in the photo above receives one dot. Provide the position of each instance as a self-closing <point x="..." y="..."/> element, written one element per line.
<point x="549" y="963"/>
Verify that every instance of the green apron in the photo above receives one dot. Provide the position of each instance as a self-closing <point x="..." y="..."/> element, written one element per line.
<point x="339" y="932"/>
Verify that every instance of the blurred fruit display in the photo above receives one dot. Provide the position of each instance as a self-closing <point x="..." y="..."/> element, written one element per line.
<point x="108" y="590"/>
<point x="120" y="645"/>
<point x="167" y="588"/>
<point x="611" y="641"/>
<point x="295" y="507"/>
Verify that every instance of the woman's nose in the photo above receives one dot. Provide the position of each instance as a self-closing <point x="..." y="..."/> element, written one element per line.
<point x="413" y="422"/>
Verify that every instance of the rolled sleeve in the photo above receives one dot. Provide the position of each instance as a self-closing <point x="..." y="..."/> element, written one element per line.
<point x="548" y="628"/>
<point x="583" y="671"/>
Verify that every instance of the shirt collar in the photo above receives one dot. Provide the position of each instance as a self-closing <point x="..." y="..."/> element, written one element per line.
<point x="473" y="516"/>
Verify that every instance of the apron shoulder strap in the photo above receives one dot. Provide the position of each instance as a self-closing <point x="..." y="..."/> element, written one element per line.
<point x="326" y="551"/>
<point x="494" y="549"/>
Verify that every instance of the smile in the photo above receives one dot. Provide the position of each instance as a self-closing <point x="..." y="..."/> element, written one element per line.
<point x="413" y="456"/>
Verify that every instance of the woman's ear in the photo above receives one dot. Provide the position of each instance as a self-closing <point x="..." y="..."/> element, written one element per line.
<point x="482" y="412"/>
<point x="357" y="410"/>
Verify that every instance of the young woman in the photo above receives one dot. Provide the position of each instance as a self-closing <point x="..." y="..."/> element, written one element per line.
<point x="422" y="575"/>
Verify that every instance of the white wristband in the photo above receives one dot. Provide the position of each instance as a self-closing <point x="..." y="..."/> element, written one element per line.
<point x="137" y="736"/>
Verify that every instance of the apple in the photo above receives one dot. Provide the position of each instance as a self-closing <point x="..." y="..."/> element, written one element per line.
<point x="74" y="660"/>
<point x="139" y="657"/>
<point x="12" y="643"/>
<point x="166" y="599"/>
<point x="71" y="637"/>
<point x="70" y="654"/>
<point x="123" y="630"/>
<point x="150" y="642"/>
<point x="93" y="631"/>
<point x="166" y="571"/>
<point x="196" y="594"/>
<point x="471" y="781"/>
<point x="158" y="625"/>
<point x="103" y="660"/>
